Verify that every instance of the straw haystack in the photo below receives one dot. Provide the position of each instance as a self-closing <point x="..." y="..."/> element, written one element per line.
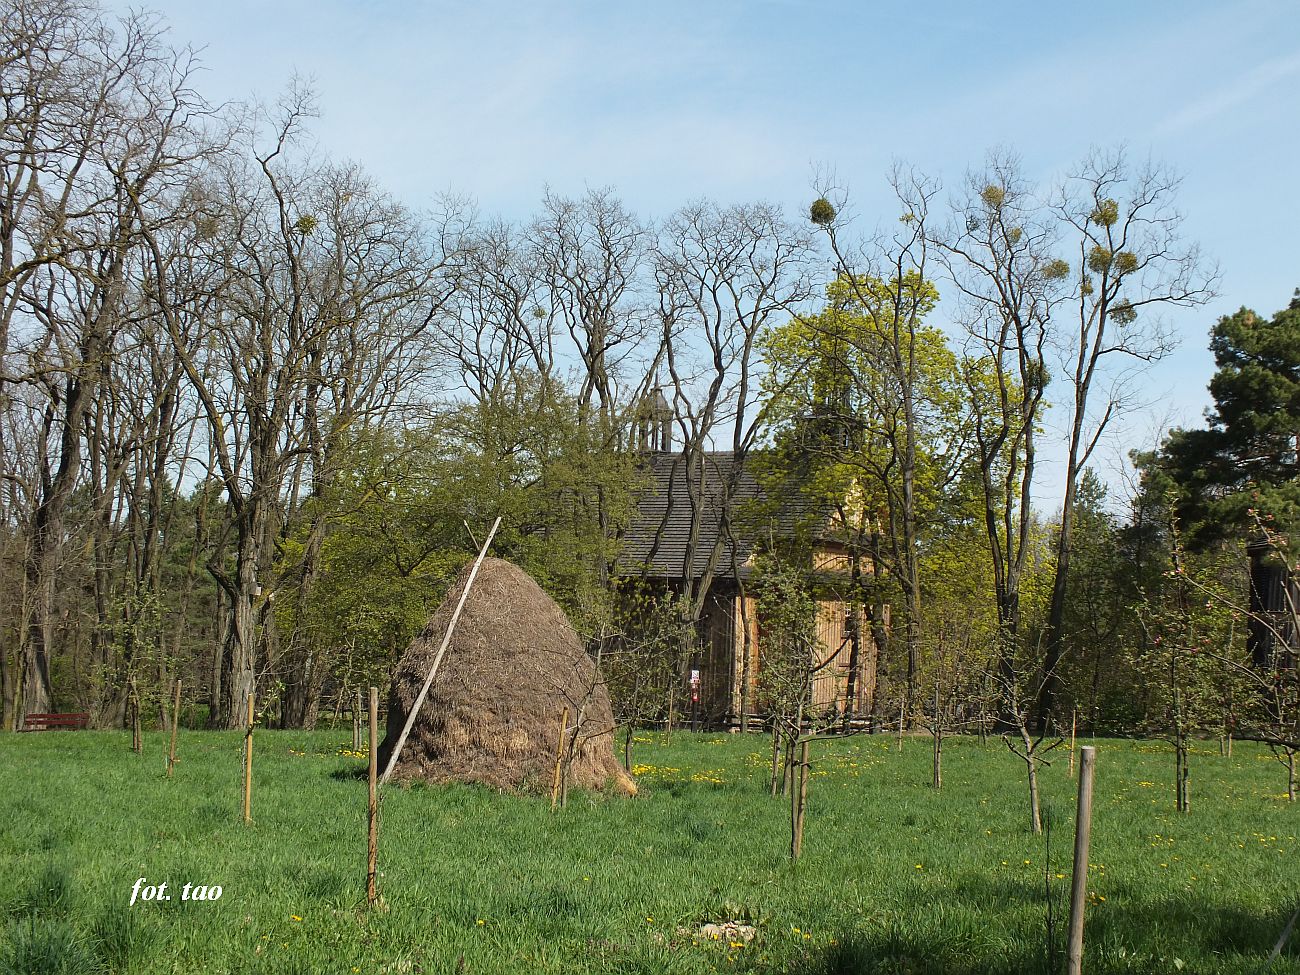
<point x="492" y="715"/>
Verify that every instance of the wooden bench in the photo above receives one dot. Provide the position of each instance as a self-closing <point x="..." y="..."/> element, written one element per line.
<point x="44" y="722"/>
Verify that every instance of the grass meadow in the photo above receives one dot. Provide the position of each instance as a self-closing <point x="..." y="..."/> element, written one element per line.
<point x="895" y="878"/>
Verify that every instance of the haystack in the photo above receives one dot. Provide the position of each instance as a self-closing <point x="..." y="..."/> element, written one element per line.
<point x="492" y="714"/>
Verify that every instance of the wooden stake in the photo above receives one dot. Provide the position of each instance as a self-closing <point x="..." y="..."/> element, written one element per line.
<point x="776" y="754"/>
<point x="559" y="758"/>
<point x="356" y="724"/>
<point x="900" y="726"/>
<point x="137" y="736"/>
<point x="802" y="801"/>
<point x="1079" y="881"/>
<point x="793" y="773"/>
<point x="372" y="816"/>
<point x="176" y="723"/>
<point x="1074" y="724"/>
<point x="248" y="763"/>
<point x="937" y="779"/>
<point x="437" y="660"/>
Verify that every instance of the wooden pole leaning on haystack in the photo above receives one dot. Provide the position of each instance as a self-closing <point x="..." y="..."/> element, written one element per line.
<point x="176" y="723"/>
<point x="1284" y="937"/>
<point x="248" y="763"/>
<point x="372" y="816"/>
<point x="437" y="660"/>
<point x="1079" y="881"/>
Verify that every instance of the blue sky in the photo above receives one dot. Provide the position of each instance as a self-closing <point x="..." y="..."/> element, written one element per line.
<point x="672" y="101"/>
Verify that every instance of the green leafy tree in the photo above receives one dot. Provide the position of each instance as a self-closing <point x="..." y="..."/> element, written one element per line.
<point x="644" y="662"/>
<point x="868" y="414"/>
<point x="1096" y="667"/>
<point x="1192" y="650"/>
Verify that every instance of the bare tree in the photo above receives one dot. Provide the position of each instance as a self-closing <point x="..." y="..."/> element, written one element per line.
<point x="723" y="276"/>
<point x="1130" y="263"/>
<point x="999" y="255"/>
<point x="307" y="335"/>
<point x="593" y="255"/>
<point x="373" y="283"/>
<point x="1028" y="741"/>
<point x="100" y="123"/>
<point x="498" y="324"/>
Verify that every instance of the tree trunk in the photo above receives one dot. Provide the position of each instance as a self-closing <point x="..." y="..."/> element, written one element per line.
<point x="6" y="692"/>
<point x="855" y="643"/>
<point x="1054" y="635"/>
<point x="35" y="669"/>
<point x="937" y="781"/>
<point x="238" y="655"/>
<point x="1031" y="768"/>
<point x="787" y="761"/>
<point x="1182" y="801"/>
<point x="799" y="801"/>
<point x="938" y="741"/>
<point x="746" y="648"/>
<point x="776" y="756"/>
<point x="1035" y="815"/>
<point x="215" y="682"/>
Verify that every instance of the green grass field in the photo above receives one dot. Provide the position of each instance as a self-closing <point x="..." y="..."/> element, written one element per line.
<point x="896" y="877"/>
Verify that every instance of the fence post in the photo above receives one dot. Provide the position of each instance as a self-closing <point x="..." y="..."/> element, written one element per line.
<point x="372" y="819"/>
<point x="248" y="763"/>
<point x="1079" y="881"/>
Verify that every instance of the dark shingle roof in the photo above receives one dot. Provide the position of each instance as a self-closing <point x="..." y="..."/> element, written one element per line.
<point x="656" y="542"/>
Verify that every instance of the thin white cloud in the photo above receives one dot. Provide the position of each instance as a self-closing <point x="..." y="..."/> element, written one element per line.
<point x="1247" y="87"/>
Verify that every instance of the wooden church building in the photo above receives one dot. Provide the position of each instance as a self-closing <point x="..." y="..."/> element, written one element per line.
<point x="700" y="520"/>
